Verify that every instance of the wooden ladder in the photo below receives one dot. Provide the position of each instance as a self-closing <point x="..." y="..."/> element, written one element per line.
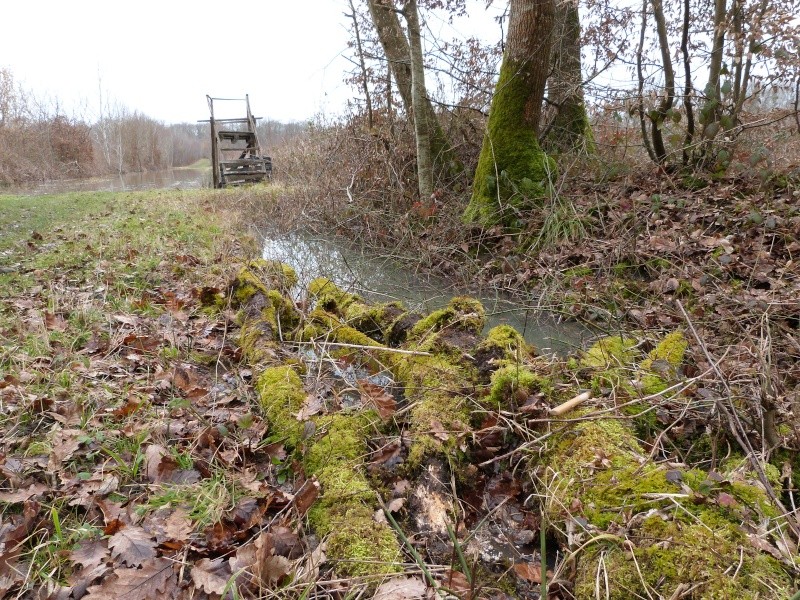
<point x="236" y="156"/>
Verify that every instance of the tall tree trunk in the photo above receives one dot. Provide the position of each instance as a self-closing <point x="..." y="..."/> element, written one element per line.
<point x="711" y="111"/>
<point x="397" y="49"/>
<point x="419" y="95"/>
<point x="395" y="46"/>
<point x="660" y="114"/>
<point x="513" y="172"/>
<point x="570" y="128"/>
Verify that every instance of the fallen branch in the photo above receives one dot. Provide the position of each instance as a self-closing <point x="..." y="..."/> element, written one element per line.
<point x="363" y="347"/>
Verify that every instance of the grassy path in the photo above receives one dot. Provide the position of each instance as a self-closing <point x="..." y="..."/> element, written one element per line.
<point x="111" y="374"/>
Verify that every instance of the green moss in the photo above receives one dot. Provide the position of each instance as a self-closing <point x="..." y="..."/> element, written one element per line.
<point x="281" y="396"/>
<point x="434" y="386"/>
<point x="462" y="312"/>
<point x="576" y="273"/>
<point x="508" y="340"/>
<point x="359" y="546"/>
<point x="344" y="512"/>
<point x="675" y="539"/>
<point x="261" y="276"/>
<point x="513" y="173"/>
<point x="512" y="380"/>
<point x="331" y="297"/>
<point x="660" y="369"/>
<point x="613" y="351"/>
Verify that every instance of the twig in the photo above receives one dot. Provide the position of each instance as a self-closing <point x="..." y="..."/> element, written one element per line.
<point x="362" y="347"/>
<point x="570" y="405"/>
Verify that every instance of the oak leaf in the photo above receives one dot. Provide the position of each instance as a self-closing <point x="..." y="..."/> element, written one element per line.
<point x="156" y="579"/>
<point x="132" y="546"/>
<point x="211" y="576"/>
<point x="374" y="395"/>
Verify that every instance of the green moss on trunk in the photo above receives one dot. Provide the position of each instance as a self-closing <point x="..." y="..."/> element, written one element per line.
<point x="513" y="172"/>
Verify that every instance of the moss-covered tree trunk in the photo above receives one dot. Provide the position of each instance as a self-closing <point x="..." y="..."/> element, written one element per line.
<point x="513" y="171"/>
<point x="570" y="129"/>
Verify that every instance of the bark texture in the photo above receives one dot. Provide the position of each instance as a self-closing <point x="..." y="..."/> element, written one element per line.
<point x="513" y="171"/>
<point x="397" y="49"/>
<point x="570" y="129"/>
<point x="423" y="121"/>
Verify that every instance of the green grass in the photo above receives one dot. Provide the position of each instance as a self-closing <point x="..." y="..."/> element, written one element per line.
<point x="72" y="265"/>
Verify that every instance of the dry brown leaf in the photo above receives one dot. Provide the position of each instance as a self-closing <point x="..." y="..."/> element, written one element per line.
<point x="306" y="496"/>
<point x="156" y="579"/>
<point x="90" y="553"/>
<point x="64" y="443"/>
<point x="153" y="456"/>
<point x="132" y="546"/>
<point x="269" y="569"/>
<point x="455" y="581"/>
<point x="530" y="572"/>
<point x="211" y="576"/>
<point x="374" y="395"/>
<point x="22" y="495"/>
<point x="55" y="322"/>
<point x="312" y="405"/>
<point x="401" y="588"/>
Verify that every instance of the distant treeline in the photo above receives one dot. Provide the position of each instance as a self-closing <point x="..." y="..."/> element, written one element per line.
<point x="39" y="141"/>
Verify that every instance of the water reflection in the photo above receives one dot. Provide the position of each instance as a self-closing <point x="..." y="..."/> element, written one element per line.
<point x="183" y="178"/>
<point x="380" y="279"/>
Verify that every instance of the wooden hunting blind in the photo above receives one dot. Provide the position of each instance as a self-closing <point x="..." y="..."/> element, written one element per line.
<point x="236" y="154"/>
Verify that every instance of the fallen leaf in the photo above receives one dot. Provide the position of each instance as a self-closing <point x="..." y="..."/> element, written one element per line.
<point x="456" y="581"/>
<point x="312" y="405"/>
<point x="22" y="495"/>
<point x="530" y="572"/>
<point x="132" y="546"/>
<point x="55" y="322"/>
<point x="156" y="579"/>
<point x="211" y="576"/>
<point x="401" y="588"/>
<point x="306" y="495"/>
<point x="374" y="395"/>
<point x="90" y="553"/>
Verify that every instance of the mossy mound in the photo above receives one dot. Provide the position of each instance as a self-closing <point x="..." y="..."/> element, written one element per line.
<point x="669" y="528"/>
<point x="281" y="396"/>
<point x="609" y="352"/>
<point x="660" y="368"/>
<point x="463" y="313"/>
<point x="330" y="297"/>
<point x="512" y="384"/>
<point x="503" y="345"/>
<point x="258" y="277"/>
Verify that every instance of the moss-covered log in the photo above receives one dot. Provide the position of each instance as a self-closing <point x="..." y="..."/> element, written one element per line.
<point x="260" y="293"/>
<point x="648" y="531"/>
<point x="335" y="454"/>
<point x="640" y="528"/>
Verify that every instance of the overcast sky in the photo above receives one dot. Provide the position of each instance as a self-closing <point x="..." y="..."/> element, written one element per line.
<point x="162" y="57"/>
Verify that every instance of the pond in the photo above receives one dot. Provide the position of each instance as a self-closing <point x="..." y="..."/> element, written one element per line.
<point x="181" y="178"/>
<point x="382" y="279"/>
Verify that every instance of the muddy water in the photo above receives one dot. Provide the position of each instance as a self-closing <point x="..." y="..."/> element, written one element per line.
<point x="380" y="279"/>
<point x="183" y="178"/>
